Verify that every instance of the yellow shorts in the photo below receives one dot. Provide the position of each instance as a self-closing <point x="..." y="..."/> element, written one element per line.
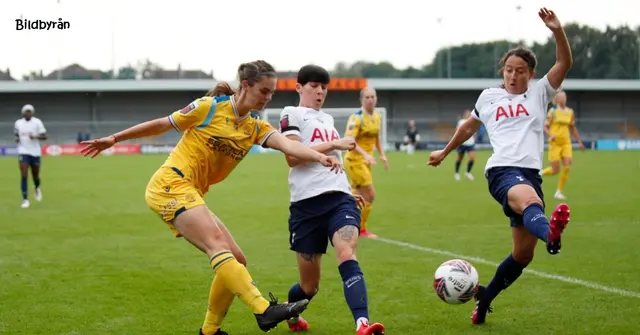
<point x="559" y="151"/>
<point x="359" y="173"/>
<point x="168" y="195"/>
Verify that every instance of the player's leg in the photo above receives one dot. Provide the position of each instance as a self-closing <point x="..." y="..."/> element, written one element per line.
<point x="343" y="231"/>
<point x="472" y="159"/>
<point x="35" y="174"/>
<point x="24" y="161"/>
<point x="309" y="267"/>
<point x="567" y="158"/>
<point x="362" y="183"/>
<point x="461" y="151"/>
<point x="554" y="160"/>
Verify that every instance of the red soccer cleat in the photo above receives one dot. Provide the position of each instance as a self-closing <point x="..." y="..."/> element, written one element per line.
<point x="559" y="221"/>
<point x="300" y="326"/>
<point x="374" y="329"/>
<point x="366" y="233"/>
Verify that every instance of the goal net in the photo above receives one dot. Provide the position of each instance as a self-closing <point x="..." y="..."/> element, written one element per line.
<point x="340" y="117"/>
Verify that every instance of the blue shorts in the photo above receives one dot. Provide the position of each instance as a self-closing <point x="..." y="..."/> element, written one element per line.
<point x="313" y="221"/>
<point x="32" y="161"/>
<point x="466" y="148"/>
<point x="501" y="179"/>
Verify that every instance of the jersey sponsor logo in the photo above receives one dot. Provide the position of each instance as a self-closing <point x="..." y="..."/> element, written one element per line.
<point x="324" y="135"/>
<point x="511" y="111"/>
<point x="189" y="108"/>
<point x="226" y="147"/>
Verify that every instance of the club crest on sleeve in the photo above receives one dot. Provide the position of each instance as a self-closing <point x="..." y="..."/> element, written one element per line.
<point x="284" y="122"/>
<point x="189" y="108"/>
<point x="351" y="125"/>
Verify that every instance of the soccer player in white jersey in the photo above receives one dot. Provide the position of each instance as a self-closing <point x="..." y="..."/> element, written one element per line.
<point x="468" y="147"/>
<point x="322" y="205"/>
<point x="514" y="115"/>
<point x="29" y="131"/>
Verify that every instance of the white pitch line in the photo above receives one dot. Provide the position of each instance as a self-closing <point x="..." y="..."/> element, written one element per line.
<point x="479" y="260"/>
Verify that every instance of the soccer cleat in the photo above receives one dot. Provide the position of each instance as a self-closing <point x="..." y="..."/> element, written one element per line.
<point x="366" y="233"/>
<point x="25" y="204"/>
<point x="298" y="324"/>
<point x="277" y="313"/>
<point x="470" y="176"/>
<point x="374" y="329"/>
<point x="456" y="176"/>
<point x="219" y="332"/>
<point x="480" y="313"/>
<point x="38" y="194"/>
<point x="559" y="221"/>
<point x="559" y="195"/>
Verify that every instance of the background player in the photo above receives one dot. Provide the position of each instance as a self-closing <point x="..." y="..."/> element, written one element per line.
<point x="364" y="127"/>
<point x="514" y="116"/>
<point x="560" y="124"/>
<point x="322" y="206"/>
<point x="218" y="133"/>
<point x="469" y="147"/>
<point x="29" y="131"/>
<point x="412" y="137"/>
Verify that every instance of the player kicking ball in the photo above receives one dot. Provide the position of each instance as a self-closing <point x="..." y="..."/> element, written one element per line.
<point x="322" y="205"/>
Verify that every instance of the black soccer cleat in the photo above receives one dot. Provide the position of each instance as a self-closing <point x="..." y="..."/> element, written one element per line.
<point x="277" y="313"/>
<point x="219" y="332"/>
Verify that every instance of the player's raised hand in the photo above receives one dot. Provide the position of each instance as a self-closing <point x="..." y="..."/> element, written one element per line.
<point x="95" y="147"/>
<point x="347" y="143"/>
<point x="549" y="18"/>
<point x="436" y="157"/>
<point x="333" y="162"/>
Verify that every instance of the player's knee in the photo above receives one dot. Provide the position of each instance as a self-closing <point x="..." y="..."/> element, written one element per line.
<point x="345" y="253"/>
<point x="523" y="254"/>
<point x="310" y="287"/>
<point x="370" y="194"/>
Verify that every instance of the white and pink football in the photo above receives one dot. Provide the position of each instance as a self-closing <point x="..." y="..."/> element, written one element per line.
<point x="456" y="281"/>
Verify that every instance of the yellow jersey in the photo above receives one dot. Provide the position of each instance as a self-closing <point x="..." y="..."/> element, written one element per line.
<point x="215" y="140"/>
<point x="365" y="128"/>
<point x="560" y="120"/>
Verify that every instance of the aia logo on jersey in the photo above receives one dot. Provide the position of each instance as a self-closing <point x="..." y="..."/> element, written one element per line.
<point x="324" y="136"/>
<point x="511" y="111"/>
<point x="189" y="108"/>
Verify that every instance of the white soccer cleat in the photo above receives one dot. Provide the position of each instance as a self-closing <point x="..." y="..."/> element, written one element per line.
<point x="559" y="195"/>
<point x="38" y="194"/>
<point x="25" y="204"/>
<point x="456" y="176"/>
<point x="470" y="176"/>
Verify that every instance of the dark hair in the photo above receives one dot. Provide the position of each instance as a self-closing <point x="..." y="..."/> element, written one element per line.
<point x="527" y="55"/>
<point x="313" y="74"/>
<point x="251" y="72"/>
<point x="222" y="88"/>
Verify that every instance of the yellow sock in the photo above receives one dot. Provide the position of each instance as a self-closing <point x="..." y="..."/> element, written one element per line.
<point x="563" y="178"/>
<point x="548" y="171"/>
<point x="220" y="299"/>
<point x="364" y="215"/>
<point x="237" y="279"/>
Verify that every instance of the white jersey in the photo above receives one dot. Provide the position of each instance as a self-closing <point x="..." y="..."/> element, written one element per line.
<point x="515" y="124"/>
<point x="314" y="128"/>
<point x="24" y="130"/>
<point x="472" y="139"/>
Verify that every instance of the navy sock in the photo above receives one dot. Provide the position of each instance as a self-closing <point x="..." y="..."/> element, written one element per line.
<point x="296" y="294"/>
<point x="458" y="166"/>
<point x="508" y="271"/>
<point x="469" y="166"/>
<point x="23" y="187"/>
<point x="535" y="221"/>
<point x="355" y="289"/>
<point x="36" y="182"/>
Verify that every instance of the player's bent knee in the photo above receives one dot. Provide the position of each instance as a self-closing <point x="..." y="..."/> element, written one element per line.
<point x="310" y="288"/>
<point x="522" y="196"/>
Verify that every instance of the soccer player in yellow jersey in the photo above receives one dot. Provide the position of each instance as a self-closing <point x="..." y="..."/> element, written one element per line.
<point x="560" y="125"/>
<point x="365" y="127"/>
<point x="218" y="132"/>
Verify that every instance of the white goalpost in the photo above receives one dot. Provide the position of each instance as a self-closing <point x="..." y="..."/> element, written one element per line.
<point x="340" y="117"/>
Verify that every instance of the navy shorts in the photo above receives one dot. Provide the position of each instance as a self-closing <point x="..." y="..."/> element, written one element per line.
<point x="501" y="179"/>
<point x="313" y="221"/>
<point x="466" y="148"/>
<point x="32" y="161"/>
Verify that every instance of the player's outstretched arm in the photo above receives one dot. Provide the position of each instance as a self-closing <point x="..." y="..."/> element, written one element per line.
<point x="145" y="129"/>
<point x="463" y="133"/>
<point x="324" y="148"/>
<point x="564" y="58"/>
<point x="298" y="150"/>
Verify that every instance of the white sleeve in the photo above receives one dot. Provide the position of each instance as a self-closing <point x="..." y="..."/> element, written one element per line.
<point x="16" y="131"/>
<point x="545" y="91"/>
<point x="289" y="121"/>
<point x="480" y="103"/>
<point x="41" y="128"/>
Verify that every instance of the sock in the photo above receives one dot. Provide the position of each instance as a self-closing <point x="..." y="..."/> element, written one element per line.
<point x="469" y="166"/>
<point x="296" y="294"/>
<point x="355" y="289"/>
<point x="220" y="299"/>
<point x="23" y="187"/>
<point x="458" y="166"/>
<point x="237" y="279"/>
<point x="36" y="182"/>
<point x="364" y="215"/>
<point x="535" y="221"/>
<point x="508" y="271"/>
<point x="563" y="178"/>
<point x="548" y="171"/>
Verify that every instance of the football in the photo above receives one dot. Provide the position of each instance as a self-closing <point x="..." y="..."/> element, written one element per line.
<point x="456" y="281"/>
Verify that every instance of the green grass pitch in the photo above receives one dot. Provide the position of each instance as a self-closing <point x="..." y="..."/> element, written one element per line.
<point x="93" y="259"/>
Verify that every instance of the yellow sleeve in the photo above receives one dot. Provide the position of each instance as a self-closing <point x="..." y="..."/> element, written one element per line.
<point x="196" y="113"/>
<point x="550" y="115"/>
<point x="263" y="132"/>
<point x="353" y="126"/>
